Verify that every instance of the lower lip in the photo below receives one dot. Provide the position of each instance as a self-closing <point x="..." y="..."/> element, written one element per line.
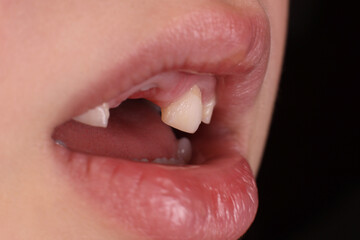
<point x="215" y="200"/>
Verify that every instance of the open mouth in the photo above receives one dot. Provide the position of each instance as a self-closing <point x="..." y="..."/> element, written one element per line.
<point x="156" y="143"/>
<point x="149" y="129"/>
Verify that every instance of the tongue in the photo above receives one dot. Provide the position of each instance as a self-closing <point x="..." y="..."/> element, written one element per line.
<point x="134" y="132"/>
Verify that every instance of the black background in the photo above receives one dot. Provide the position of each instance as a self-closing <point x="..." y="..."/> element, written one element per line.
<point x="309" y="182"/>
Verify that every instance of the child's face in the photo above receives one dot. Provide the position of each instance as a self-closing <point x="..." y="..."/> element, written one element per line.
<point x="60" y="58"/>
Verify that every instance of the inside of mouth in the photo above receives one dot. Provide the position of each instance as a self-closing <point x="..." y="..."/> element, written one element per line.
<point x="135" y="132"/>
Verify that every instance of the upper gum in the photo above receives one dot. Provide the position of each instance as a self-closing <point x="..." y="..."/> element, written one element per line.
<point x="169" y="87"/>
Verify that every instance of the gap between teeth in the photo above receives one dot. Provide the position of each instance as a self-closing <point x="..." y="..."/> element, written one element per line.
<point x="185" y="113"/>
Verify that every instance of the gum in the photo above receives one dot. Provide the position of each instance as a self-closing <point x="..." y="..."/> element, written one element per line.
<point x="165" y="88"/>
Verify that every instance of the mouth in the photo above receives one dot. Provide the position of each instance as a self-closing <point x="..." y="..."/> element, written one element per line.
<point x="169" y="157"/>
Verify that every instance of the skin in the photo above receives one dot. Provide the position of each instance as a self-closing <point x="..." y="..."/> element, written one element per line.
<point x="41" y="50"/>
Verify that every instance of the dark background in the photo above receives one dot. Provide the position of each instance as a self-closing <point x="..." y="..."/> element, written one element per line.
<point x="309" y="182"/>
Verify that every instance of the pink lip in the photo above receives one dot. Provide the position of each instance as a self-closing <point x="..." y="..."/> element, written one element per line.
<point x="213" y="200"/>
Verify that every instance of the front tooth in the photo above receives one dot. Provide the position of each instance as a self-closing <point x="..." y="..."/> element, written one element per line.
<point x="207" y="111"/>
<point x="185" y="113"/>
<point x="96" y="117"/>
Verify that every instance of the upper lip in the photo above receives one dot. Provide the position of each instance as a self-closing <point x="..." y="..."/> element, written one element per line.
<point x="232" y="46"/>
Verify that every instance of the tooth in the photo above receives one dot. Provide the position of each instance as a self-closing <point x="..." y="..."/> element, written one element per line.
<point x="164" y="160"/>
<point x="196" y="72"/>
<point x="60" y="143"/>
<point x="169" y="161"/>
<point x="141" y="160"/>
<point x="207" y="111"/>
<point x="184" y="151"/>
<point x="96" y="117"/>
<point x="185" y="113"/>
<point x="144" y="160"/>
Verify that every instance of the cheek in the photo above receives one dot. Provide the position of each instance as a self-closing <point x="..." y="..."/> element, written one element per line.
<point x="34" y="57"/>
<point x="45" y="45"/>
<point x="37" y="204"/>
<point x="278" y="13"/>
<point x="26" y="72"/>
